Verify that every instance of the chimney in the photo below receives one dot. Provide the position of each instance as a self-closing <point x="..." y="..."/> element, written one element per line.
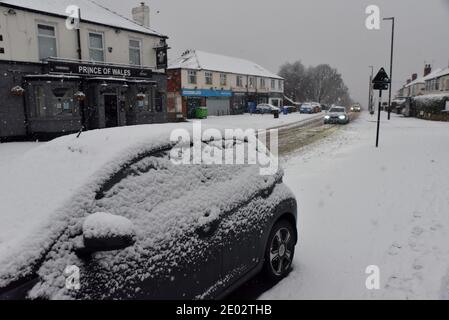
<point x="427" y="69"/>
<point x="414" y="76"/>
<point x="141" y="15"/>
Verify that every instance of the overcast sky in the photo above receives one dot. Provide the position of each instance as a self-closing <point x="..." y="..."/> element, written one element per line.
<point x="272" y="32"/>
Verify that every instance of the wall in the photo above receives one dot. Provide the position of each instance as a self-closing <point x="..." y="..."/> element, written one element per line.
<point x="21" y="42"/>
<point x="231" y="83"/>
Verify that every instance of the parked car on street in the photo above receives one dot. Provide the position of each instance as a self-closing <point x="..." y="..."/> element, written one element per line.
<point x="306" y="108"/>
<point x="336" y="115"/>
<point x="291" y="109"/>
<point x="122" y="219"/>
<point x="316" y="108"/>
<point x="266" y="108"/>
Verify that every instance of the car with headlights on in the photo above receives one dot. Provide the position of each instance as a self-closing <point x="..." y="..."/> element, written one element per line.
<point x="336" y="115"/>
<point x="356" y="108"/>
<point x="119" y="213"/>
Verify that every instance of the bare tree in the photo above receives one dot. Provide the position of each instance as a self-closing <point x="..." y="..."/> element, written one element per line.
<point x="321" y="84"/>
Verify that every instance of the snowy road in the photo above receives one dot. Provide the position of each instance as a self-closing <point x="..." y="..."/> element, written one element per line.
<point x="360" y="206"/>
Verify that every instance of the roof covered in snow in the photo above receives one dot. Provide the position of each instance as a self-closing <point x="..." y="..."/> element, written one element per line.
<point x="91" y="11"/>
<point x="200" y="60"/>
<point x="441" y="73"/>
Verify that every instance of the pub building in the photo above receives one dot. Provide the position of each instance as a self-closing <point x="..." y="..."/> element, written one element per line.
<point x="95" y="69"/>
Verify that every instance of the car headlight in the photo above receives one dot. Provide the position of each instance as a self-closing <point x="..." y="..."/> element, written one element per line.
<point x="342" y="117"/>
<point x="327" y="117"/>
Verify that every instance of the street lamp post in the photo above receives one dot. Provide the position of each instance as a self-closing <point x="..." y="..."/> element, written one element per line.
<point x="391" y="65"/>
<point x="370" y="101"/>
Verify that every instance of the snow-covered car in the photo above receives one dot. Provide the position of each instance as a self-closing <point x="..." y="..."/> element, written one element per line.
<point x="336" y="115"/>
<point x="110" y="215"/>
<point x="266" y="108"/>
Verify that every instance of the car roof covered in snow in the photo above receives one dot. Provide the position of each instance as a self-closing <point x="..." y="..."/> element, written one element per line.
<point x="91" y="11"/>
<point x="200" y="60"/>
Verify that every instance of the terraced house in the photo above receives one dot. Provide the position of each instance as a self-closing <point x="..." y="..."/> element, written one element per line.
<point x="69" y="65"/>
<point x="224" y="85"/>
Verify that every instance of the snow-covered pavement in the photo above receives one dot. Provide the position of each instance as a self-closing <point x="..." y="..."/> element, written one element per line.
<point x="362" y="206"/>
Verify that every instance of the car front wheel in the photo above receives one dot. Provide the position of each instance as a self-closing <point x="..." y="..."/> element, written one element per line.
<point x="279" y="251"/>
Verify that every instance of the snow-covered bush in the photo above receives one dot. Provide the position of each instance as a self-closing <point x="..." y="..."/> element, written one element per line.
<point x="431" y="106"/>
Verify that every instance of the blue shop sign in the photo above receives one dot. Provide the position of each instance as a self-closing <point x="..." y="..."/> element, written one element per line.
<point x="206" y="93"/>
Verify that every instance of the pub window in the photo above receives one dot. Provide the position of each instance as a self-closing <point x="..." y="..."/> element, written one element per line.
<point x="192" y="77"/>
<point x="47" y="41"/>
<point x="62" y="101"/>
<point x="273" y="84"/>
<point x="134" y="52"/>
<point x="239" y="81"/>
<point x="262" y="83"/>
<point x="209" y="78"/>
<point x="223" y="79"/>
<point x="146" y="105"/>
<point x="39" y="98"/>
<point x="96" y="46"/>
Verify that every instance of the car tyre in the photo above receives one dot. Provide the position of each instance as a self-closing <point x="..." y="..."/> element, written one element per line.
<point x="279" y="251"/>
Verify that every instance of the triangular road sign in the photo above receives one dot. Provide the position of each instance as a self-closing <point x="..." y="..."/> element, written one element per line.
<point x="381" y="77"/>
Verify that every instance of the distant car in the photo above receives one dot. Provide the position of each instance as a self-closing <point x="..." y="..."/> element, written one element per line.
<point x="266" y="108"/>
<point x="316" y="108"/>
<point x="291" y="109"/>
<point x="143" y="227"/>
<point x="306" y="108"/>
<point x="356" y="108"/>
<point x="336" y="115"/>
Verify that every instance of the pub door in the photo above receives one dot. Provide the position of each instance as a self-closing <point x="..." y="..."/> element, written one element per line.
<point x="111" y="110"/>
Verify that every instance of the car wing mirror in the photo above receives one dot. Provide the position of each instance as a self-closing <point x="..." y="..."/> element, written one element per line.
<point x="106" y="232"/>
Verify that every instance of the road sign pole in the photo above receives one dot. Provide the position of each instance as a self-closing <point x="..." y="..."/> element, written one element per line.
<point x="378" y="118"/>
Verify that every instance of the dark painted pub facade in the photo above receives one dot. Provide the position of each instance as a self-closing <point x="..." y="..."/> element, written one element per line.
<point x="58" y="96"/>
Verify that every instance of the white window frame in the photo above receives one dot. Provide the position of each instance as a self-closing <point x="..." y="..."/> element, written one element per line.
<point x="239" y="81"/>
<point x="103" y="44"/>
<point x="206" y="77"/>
<point x="262" y="83"/>
<point x="135" y="48"/>
<point x="251" y="83"/>
<point x="273" y="84"/>
<point x="192" y="73"/>
<point x="46" y="24"/>
<point x="223" y="79"/>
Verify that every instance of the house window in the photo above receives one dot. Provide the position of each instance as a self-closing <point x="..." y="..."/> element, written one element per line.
<point x="208" y="78"/>
<point x="251" y="82"/>
<point x="134" y="52"/>
<point x="223" y="79"/>
<point x="192" y="77"/>
<point x="281" y="85"/>
<point x="47" y="41"/>
<point x="273" y="84"/>
<point x="96" y="46"/>
<point x="262" y="83"/>
<point x="239" y="81"/>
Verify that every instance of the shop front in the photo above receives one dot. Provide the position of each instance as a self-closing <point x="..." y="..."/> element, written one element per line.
<point x="218" y="102"/>
<point x="69" y="96"/>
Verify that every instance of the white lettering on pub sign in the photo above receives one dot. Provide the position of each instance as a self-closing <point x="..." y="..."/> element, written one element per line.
<point x="104" y="71"/>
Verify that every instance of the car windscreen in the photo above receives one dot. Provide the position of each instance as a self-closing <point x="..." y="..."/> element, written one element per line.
<point x="337" y="110"/>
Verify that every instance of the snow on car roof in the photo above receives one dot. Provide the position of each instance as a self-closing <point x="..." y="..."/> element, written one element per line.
<point x="91" y="11"/>
<point x="200" y="60"/>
